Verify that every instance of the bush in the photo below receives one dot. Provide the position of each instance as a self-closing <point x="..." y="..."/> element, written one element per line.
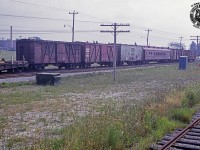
<point x="191" y="98"/>
<point x="182" y="114"/>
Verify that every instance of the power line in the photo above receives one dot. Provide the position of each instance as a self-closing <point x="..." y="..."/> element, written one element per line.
<point x="32" y="4"/>
<point x="32" y="17"/>
<point x="64" y="10"/>
<point x="55" y="8"/>
<point x="45" y="18"/>
<point x="15" y="32"/>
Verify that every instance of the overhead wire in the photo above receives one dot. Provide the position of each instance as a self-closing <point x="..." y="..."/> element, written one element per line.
<point x="160" y="33"/>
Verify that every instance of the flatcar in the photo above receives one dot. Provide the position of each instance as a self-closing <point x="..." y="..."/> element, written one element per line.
<point x="13" y="66"/>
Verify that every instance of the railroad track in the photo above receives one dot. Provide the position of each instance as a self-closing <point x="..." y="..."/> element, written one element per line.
<point x="5" y="75"/>
<point x="186" y="139"/>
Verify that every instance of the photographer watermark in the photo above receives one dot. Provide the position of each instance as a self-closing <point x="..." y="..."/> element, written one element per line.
<point x="195" y="15"/>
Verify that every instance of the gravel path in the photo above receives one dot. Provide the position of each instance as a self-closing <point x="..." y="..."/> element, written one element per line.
<point x="28" y="79"/>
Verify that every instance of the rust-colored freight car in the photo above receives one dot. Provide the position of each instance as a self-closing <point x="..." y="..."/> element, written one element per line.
<point x="176" y="53"/>
<point x="107" y="54"/>
<point x="92" y="53"/>
<point x="68" y="55"/>
<point x="191" y="54"/>
<point x="38" y="53"/>
<point x="71" y="55"/>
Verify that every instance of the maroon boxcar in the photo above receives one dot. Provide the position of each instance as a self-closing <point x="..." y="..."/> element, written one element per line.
<point x="38" y="53"/>
<point x="176" y="53"/>
<point x="71" y="55"/>
<point x="107" y="54"/>
<point x="41" y="53"/>
<point x="191" y="54"/>
<point x="91" y="53"/>
<point x="68" y="55"/>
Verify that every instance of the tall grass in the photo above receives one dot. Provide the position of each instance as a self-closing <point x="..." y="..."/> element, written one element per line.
<point x="120" y="121"/>
<point x="132" y="127"/>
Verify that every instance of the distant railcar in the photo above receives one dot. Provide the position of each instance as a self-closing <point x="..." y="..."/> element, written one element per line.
<point x="156" y="54"/>
<point x="107" y="55"/>
<point x="176" y="53"/>
<point x="130" y="54"/>
<point x="92" y="53"/>
<point x="68" y="55"/>
<point x="38" y="53"/>
<point x="191" y="54"/>
<point x="77" y="54"/>
<point x="13" y="66"/>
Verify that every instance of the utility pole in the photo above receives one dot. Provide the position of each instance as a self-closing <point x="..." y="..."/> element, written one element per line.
<point x="11" y="39"/>
<point x="180" y="42"/>
<point x="148" y="36"/>
<point x="197" y="39"/>
<point x="73" y="13"/>
<point x="115" y="26"/>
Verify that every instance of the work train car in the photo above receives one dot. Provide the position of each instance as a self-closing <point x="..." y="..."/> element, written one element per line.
<point x="156" y="54"/>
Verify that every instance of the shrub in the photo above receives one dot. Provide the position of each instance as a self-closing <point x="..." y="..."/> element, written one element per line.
<point x="182" y="114"/>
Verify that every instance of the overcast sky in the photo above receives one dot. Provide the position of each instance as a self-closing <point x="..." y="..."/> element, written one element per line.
<point x="168" y="20"/>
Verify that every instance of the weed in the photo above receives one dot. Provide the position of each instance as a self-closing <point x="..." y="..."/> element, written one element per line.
<point x="139" y="108"/>
<point x="182" y="114"/>
<point x="11" y="142"/>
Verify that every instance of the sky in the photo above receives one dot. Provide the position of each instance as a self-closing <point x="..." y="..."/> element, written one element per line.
<point x="50" y="20"/>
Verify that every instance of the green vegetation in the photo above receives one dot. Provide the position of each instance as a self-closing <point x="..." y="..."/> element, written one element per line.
<point x="92" y="112"/>
<point x="7" y="55"/>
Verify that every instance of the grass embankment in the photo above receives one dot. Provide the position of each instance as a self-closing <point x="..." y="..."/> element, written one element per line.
<point x="92" y="112"/>
<point x="129" y="127"/>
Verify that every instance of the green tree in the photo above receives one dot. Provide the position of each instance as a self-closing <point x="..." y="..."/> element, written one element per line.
<point x="193" y="46"/>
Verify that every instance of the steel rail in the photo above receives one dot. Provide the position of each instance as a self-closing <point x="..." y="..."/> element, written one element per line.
<point x="181" y="134"/>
